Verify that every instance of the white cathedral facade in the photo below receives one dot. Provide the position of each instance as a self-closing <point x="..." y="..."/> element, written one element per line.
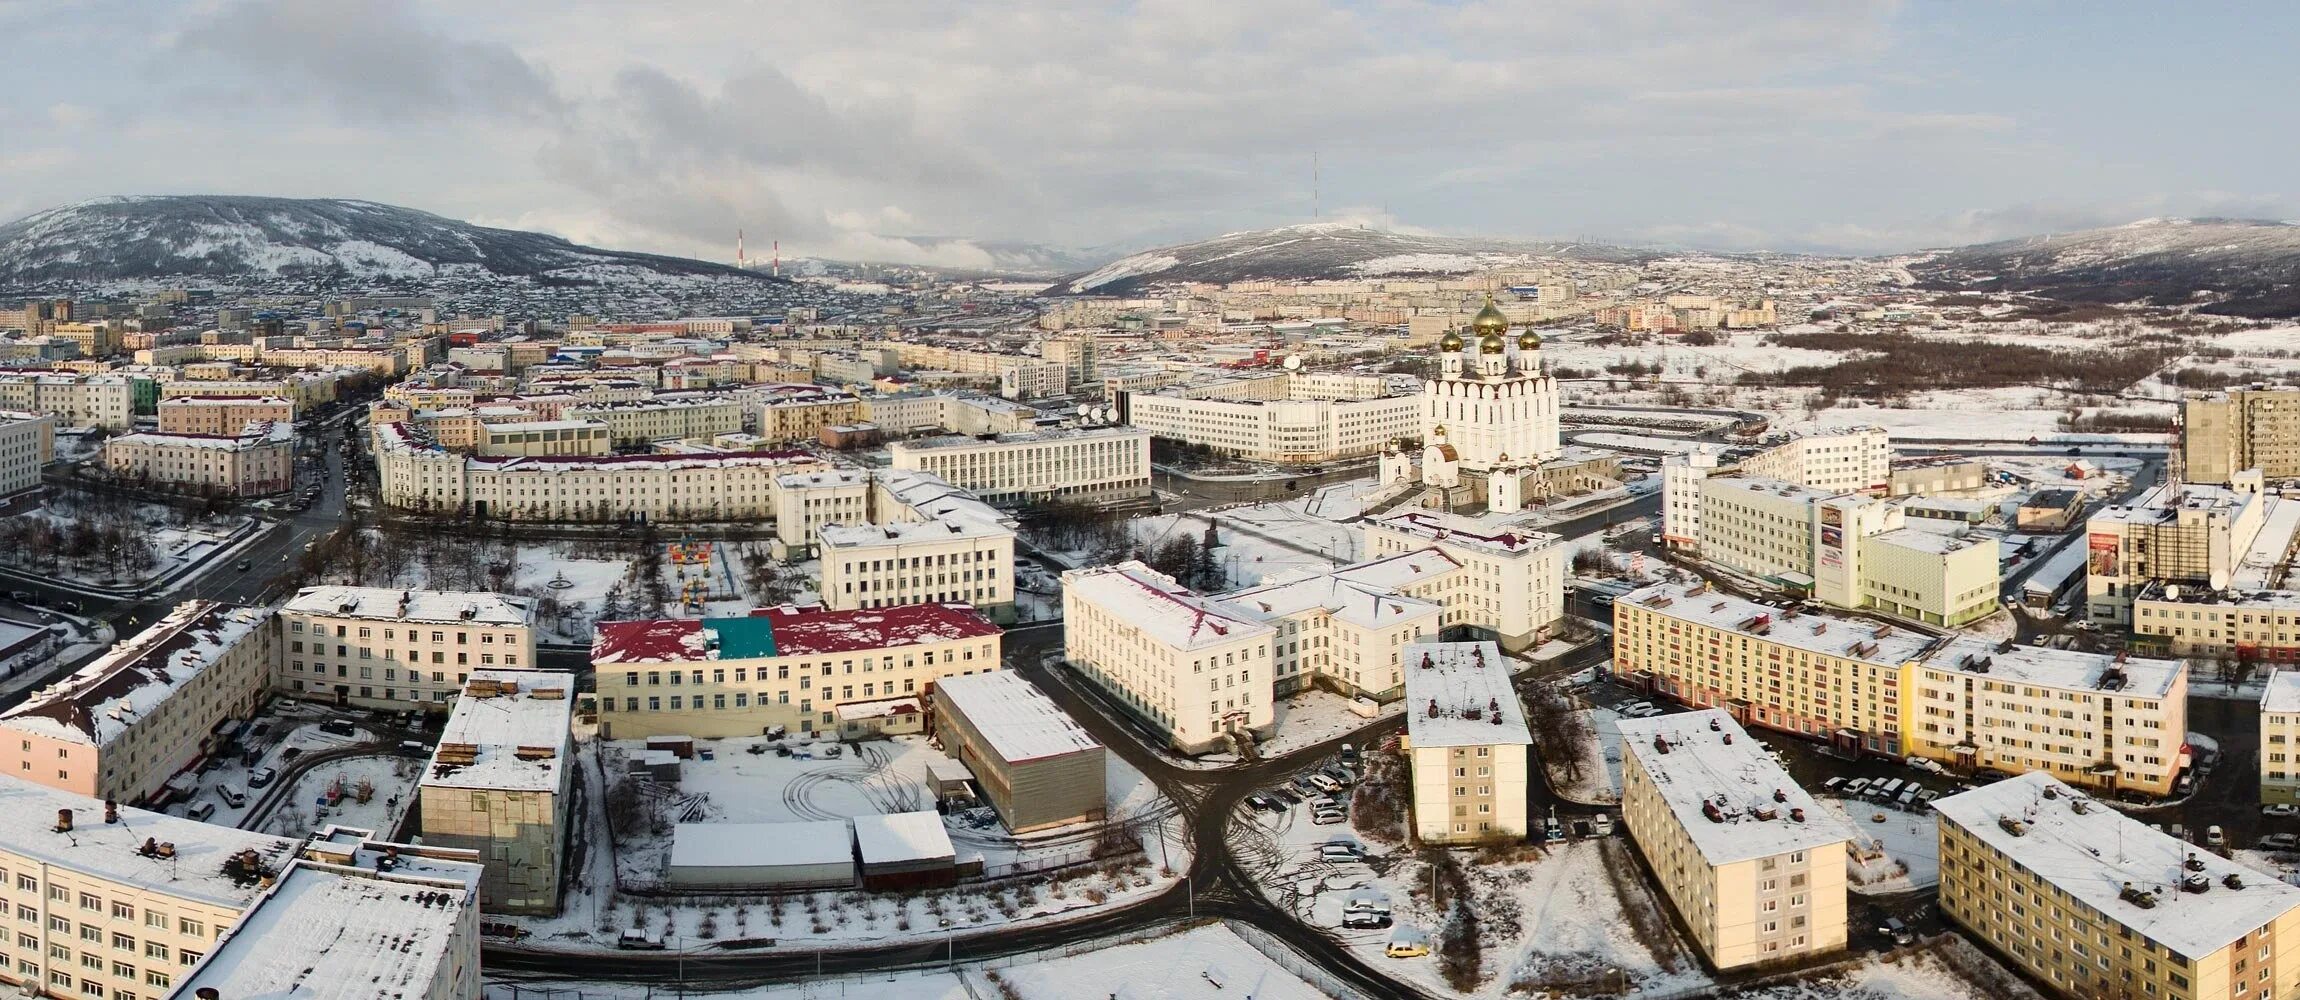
<point x="1489" y="419"/>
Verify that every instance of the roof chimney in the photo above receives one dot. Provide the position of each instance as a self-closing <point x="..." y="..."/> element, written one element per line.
<point x="63" y="821"/>
<point x="111" y="810"/>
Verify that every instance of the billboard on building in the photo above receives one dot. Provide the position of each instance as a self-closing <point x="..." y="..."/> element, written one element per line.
<point x="2102" y="559"/>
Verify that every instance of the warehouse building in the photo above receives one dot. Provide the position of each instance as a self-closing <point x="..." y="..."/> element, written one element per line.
<point x="498" y="784"/>
<point x="808" y="855"/>
<point x="905" y="851"/>
<point x="1753" y="866"/>
<point x="2096" y="904"/>
<point x="1034" y="763"/>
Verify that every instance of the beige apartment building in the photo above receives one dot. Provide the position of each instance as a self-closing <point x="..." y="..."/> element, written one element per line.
<point x="497" y="784"/>
<point x="666" y="418"/>
<point x="392" y="649"/>
<point x="1100" y="465"/>
<point x="1162" y="650"/>
<point x="2096" y="904"/>
<point x="418" y="475"/>
<point x="221" y="415"/>
<point x="795" y="668"/>
<point x="2225" y="433"/>
<point x="1752" y="865"/>
<point x="1347" y="630"/>
<point x="528" y="438"/>
<point x="27" y="445"/>
<point x="121" y="909"/>
<point x="2280" y="738"/>
<point x="133" y="718"/>
<point x="2106" y="721"/>
<point x="106" y="401"/>
<point x="260" y="459"/>
<point x="1289" y="418"/>
<point x="1466" y="741"/>
<point x="1511" y="583"/>
<point x="2253" y="626"/>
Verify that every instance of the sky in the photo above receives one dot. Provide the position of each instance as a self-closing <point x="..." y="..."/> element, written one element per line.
<point x="846" y="129"/>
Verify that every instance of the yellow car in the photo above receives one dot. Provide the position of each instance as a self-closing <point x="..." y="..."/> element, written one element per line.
<point x="1407" y="948"/>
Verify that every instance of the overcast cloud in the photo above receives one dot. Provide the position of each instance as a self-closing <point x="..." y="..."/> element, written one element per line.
<point x="840" y="128"/>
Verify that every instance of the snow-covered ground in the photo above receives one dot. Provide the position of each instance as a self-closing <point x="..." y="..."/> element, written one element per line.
<point x="1212" y="962"/>
<point x="285" y="724"/>
<point x="1900" y="851"/>
<point x="332" y="794"/>
<point x="1599" y="780"/>
<point x="174" y="546"/>
<point x="868" y="778"/>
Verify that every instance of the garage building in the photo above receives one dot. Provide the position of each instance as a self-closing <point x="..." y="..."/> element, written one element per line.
<point x="1034" y="763"/>
<point x="810" y="855"/>
<point x="902" y="851"/>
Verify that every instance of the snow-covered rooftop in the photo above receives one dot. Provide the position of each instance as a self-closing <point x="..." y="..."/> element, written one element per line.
<point x="1169" y="612"/>
<point x="1759" y="485"/>
<point x="743" y="845"/>
<point x="1019" y="720"/>
<point x="2282" y="692"/>
<point x="2256" y="568"/>
<point x="1361" y="604"/>
<point x="428" y="606"/>
<point x="2093" y="854"/>
<point x="1824" y="634"/>
<point x="509" y="731"/>
<point x="330" y="932"/>
<point x="114" y="851"/>
<point x="894" y="838"/>
<point x="100" y="701"/>
<point x="1458" y="695"/>
<point x="1713" y="769"/>
<point x="1496" y="534"/>
<point x="2162" y="504"/>
<point x="784" y="631"/>
<point x="1931" y="542"/>
<point x="2128" y="676"/>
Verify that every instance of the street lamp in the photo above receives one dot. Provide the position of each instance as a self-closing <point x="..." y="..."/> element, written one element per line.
<point x="950" y="942"/>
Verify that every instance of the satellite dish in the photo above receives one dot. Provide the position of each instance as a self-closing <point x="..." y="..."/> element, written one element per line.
<point x="1085" y="410"/>
<point x="1293" y="362"/>
<point x="1110" y="413"/>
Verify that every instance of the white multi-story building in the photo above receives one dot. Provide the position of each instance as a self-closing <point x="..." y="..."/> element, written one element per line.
<point x="1466" y="741"/>
<point x="1193" y="666"/>
<point x="1752" y="864"/>
<point x="106" y="401"/>
<point x="1099" y="465"/>
<point x="667" y="418"/>
<point x="1300" y="424"/>
<point x="122" y="726"/>
<point x="1348" y="628"/>
<point x="1511" y="581"/>
<point x="27" y="445"/>
<point x="2180" y="534"/>
<point x="378" y="647"/>
<point x="421" y="476"/>
<point x="1837" y="459"/>
<point x="2280" y="738"/>
<point x="497" y="784"/>
<point x="1681" y="477"/>
<point x="259" y="459"/>
<point x="1851" y="550"/>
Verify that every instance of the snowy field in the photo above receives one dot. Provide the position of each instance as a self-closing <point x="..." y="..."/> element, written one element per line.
<point x="1206" y="963"/>
<point x="333" y="793"/>
<point x="174" y="546"/>
<point x="1899" y="852"/>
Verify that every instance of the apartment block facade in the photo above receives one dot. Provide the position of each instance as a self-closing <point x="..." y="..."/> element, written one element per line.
<point x="393" y="649"/>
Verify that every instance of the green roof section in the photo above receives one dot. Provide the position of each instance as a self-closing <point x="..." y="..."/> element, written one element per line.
<point x="743" y="638"/>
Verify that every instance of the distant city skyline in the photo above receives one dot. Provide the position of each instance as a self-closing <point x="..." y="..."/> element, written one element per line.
<point x="837" y="129"/>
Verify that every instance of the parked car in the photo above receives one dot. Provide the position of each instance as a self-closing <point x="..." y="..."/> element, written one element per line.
<point x="1890" y="788"/>
<point x="1551" y="830"/>
<point x="1264" y="802"/>
<point x="1855" y="787"/>
<point x="201" y="811"/>
<point x="638" y="940"/>
<point x="1339" y="852"/>
<point x="2214" y="838"/>
<point x="261" y="776"/>
<point x="1365" y="914"/>
<point x="2279" y="842"/>
<point x="1925" y="798"/>
<point x="1897" y="931"/>
<point x="1833" y="786"/>
<point x="1407" y="942"/>
<point x="338" y="727"/>
<point x="2280" y="809"/>
<point x="1349" y="754"/>
<point x="1601" y="825"/>
<point x="1328" y="817"/>
<point x="1285" y="794"/>
<point x="1325" y="783"/>
<point x="233" y="797"/>
<point x="1637" y="710"/>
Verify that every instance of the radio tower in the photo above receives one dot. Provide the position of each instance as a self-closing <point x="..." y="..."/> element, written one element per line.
<point x="778" y="258"/>
<point x="741" y="260"/>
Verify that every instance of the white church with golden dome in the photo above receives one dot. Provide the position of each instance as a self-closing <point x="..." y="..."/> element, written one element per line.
<point x="1488" y="420"/>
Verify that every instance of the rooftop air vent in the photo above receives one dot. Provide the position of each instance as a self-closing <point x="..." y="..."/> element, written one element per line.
<point x="2012" y="826"/>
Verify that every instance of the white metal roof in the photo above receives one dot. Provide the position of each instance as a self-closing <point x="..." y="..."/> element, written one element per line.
<point x="1458" y="695"/>
<point x="745" y="845"/>
<point x="903" y="836"/>
<point x="1019" y="720"/>
<point x="1713" y="766"/>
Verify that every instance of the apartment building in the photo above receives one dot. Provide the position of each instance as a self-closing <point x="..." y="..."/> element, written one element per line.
<point x="27" y="445"/>
<point x="106" y="401"/>
<point x="392" y="649"/>
<point x="1850" y="550"/>
<point x="352" y="918"/>
<point x="260" y="459"/>
<point x="1291" y="429"/>
<point x="1511" y="583"/>
<point x="2096" y="904"/>
<point x="2106" y="721"/>
<point x="1465" y="744"/>
<point x="1347" y="630"/>
<point x="1091" y="466"/>
<point x="118" y="909"/>
<point x="2254" y="427"/>
<point x="2280" y="738"/>
<point x="418" y="475"/>
<point x="498" y="783"/>
<point x="132" y="719"/>
<point x="221" y="415"/>
<point x="667" y="418"/>
<point x="1752" y="865"/>
<point x="1836" y="459"/>
<point x="937" y="561"/>
<point x="1160" y="651"/>
<point x="790" y="667"/>
<point x="2178" y="533"/>
<point x="2254" y="626"/>
<point x="1681" y="477"/>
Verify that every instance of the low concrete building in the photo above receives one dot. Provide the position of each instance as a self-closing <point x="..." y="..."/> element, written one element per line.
<point x="815" y="854"/>
<point x="1752" y="865"/>
<point x="1466" y="740"/>
<point x="904" y="851"/>
<point x="1034" y="763"/>
<point x="2049" y="510"/>
<point x="498" y="784"/>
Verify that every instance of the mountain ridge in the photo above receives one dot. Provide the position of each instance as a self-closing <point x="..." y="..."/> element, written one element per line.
<point x="2237" y="267"/>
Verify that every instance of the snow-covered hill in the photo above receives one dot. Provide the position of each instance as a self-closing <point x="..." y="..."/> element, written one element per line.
<point x="1323" y="250"/>
<point x="232" y="238"/>
<point x="2233" y="266"/>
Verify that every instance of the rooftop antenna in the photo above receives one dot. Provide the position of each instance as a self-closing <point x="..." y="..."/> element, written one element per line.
<point x="741" y="260"/>
<point x="778" y="258"/>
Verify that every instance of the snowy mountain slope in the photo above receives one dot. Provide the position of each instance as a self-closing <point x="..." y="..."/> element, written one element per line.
<point x="2233" y="266"/>
<point x="250" y="238"/>
<point x="1325" y="250"/>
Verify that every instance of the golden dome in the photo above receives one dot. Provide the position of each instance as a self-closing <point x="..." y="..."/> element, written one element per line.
<point x="1492" y="343"/>
<point x="1489" y="319"/>
<point x="1528" y="341"/>
<point x="1450" y="342"/>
